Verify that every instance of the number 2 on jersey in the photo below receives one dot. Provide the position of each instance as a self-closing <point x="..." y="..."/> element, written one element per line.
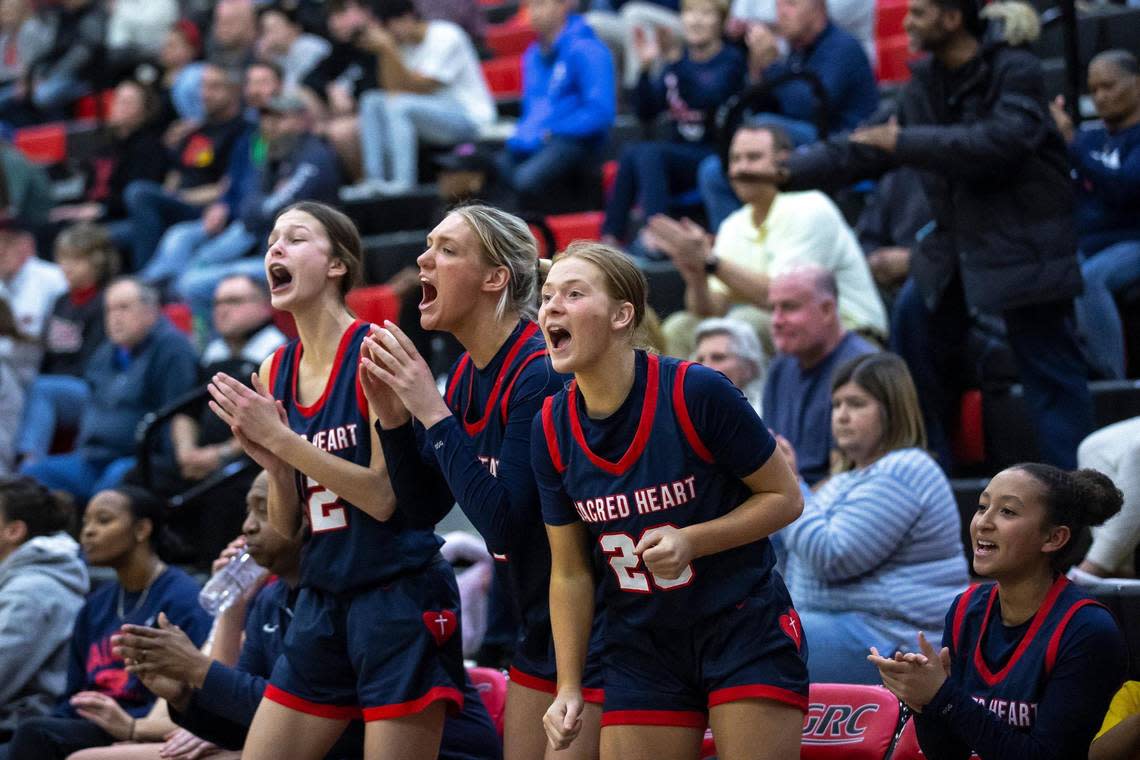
<point x="629" y="570"/>
<point x="325" y="510"/>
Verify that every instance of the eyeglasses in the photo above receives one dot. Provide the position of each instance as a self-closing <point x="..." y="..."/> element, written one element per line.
<point x="234" y="301"/>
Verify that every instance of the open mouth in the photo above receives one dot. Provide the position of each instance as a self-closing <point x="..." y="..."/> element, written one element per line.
<point x="558" y="336"/>
<point x="984" y="548"/>
<point x="429" y="294"/>
<point x="279" y="277"/>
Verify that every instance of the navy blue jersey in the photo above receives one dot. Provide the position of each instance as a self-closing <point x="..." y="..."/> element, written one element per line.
<point x="345" y="548"/>
<point x="673" y="468"/>
<point x="1035" y="690"/>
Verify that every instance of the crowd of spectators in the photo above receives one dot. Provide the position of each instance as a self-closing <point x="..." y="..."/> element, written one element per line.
<point x="847" y="329"/>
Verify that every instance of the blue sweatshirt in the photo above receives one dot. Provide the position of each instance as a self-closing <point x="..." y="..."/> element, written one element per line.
<point x="568" y="90"/>
<point x="839" y="62"/>
<point x="1106" y="168"/>
<point x="691" y="91"/>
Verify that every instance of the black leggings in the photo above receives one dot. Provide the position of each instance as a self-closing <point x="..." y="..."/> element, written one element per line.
<point x="53" y="739"/>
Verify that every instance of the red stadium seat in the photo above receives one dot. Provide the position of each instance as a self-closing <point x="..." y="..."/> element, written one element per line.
<point x="907" y="747"/>
<point x="504" y="76"/>
<point x="894" y="54"/>
<point x="969" y="440"/>
<point x="509" y="39"/>
<point x="492" y="687"/>
<point x="87" y="108"/>
<point x="181" y="316"/>
<point x="843" y="722"/>
<point x="567" y="228"/>
<point x="45" y="144"/>
<point x="374" y="303"/>
<point x="889" y="18"/>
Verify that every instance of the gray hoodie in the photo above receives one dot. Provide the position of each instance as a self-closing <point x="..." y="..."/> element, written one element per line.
<point x="42" y="587"/>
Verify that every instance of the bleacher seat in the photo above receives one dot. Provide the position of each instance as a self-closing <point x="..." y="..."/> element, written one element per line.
<point x="504" y="77"/>
<point x="567" y="228"/>
<point x="505" y="40"/>
<point x="969" y="444"/>
<point x="889" y="18"/>
<point x="894" y="54"/>
<point x="967" y="491"/>
<point x="492" y="687"/>
<point x="43" y="144"/>
<point x="1115" y="400"/>
<point x="374" y="303"/>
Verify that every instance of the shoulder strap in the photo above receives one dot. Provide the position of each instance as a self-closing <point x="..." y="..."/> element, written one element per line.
<point x="551" y="435"/>
<point x="275" y="368"/>
<point x="453" y="381"/>
<point x="1055" y="639"/>
<point x="681" y="410"/>
<point x="960" y="616"/>
<point x="511" y="385"/>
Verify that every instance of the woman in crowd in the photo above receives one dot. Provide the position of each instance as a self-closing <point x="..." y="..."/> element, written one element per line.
<point x="104" y="703"/>
<point x="876" y="554"/>
<point x="365" y="567"/>
<point x="1029" y="663"/>
<point x="479" y="278"/>
<point x="668" y="468"/>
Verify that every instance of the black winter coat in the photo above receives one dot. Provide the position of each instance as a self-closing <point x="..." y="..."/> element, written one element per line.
<point x="995" y="172"/>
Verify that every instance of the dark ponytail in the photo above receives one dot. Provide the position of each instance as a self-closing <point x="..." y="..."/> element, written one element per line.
<point x="1080" y="499"/>
<point x="44" y="512"/>
<point x="145" y="505"/>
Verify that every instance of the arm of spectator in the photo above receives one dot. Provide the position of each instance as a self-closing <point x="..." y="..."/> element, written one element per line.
<point x="1117" y="186"/>
<point x="395" y="76"/>
<point x="80" y="54"/>
<point x="649" y="95"/>
<point x="203" y="194"/>
<point x="1121" y="739"/>
<point x="590" y="65"/>
<point x="21" y="643"/>
<point x="856" y="535"/>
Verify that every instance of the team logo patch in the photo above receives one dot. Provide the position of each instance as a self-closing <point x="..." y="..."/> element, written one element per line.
<point x="790" y="625"/>
<point x="440" y="624"/>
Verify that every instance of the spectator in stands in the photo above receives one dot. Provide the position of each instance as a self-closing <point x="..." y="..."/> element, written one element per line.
<point x="298" y="166"/>
<point x="22" y="37"/>
<point x="206" y="156"/>
<point x="876" y="554"/>
<point x="144" y="364"/>
<point x="568" y="105"/>
<point x="856" y="17"/>
<point x="1119" y="735"/>
<point x="134" y="152"/>
<point x="104" y="702"/>
<point x="974" y="122"/>
<point x="335" y="86"/>
<point x="432" y="91"/>
<point x="25" y="190"/>
<point x="263" y="82"/>
<point x="773" y="232"/>
<point x="1028" y="664"/>
<point x="57" y="396"/>
<point x="467" y="14"/>
<point x="1106" y="160"/>
<point x="285" y="43"/>
<point x="31" y="286"/>
<point x="135" y="30"/>
<point x="217" y="698"/>
<point x="233" y="35"/>
<point x="624" y="21"/>
<point x="895" y="215"/>
<point x="42" y="585"/>
<point x="11" y="389"/>
<point x="1115" y="451"/>
<point x="812" y="343"/>
<point x="181" y="74"/>
<point x="68" y="65"/>
<point x="731" y="347"/>
<point x="688" y="91"/>
<point x="819" y="52"/>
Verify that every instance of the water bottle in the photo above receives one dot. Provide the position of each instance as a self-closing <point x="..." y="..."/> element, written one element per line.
<point x="228" y="584"/>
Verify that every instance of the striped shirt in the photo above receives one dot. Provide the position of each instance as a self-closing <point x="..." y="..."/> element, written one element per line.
<point x="883" y="540"/>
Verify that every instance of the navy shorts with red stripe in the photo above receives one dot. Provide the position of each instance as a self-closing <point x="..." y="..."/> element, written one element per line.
<point x="377" y="653"/>
<point x="534" y="667"/>
<point x="672" y="676"/>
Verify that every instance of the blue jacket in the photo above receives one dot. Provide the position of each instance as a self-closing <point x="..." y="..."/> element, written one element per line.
<point x="568" y="90"/>
<point x="1106" y="168"/>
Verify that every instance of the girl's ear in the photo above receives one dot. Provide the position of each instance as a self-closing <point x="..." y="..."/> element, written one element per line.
<point x="623" y="317"/>
<point x="142" y="530"/>
<point x="497" y="278"/>
<point x="1057" y="539"/>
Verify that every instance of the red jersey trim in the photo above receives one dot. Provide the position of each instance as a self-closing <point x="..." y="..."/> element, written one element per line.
<point x="681" y="409"/>
<point x="758" y="691"/>
<point x="679" y="718"/>
<point x="960" y="616"/>
<point x="551" y="436"/>
<point x="511" y="386"/>
<point x="453" y="382"/>
<point x="338" y="363"/>
<point x="1055" y="639"/>
<point x="474" y="428"/>
<point x="546" y="686"/>
<point x="293" y="702"/>
<point x="644" y="425"/>
<point x="990" y="678"/>
<point x="403" y="709"/>
<point x="274" y="366"/>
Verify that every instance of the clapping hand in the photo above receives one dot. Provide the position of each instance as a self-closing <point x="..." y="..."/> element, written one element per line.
<point x="388" y="355"/>
<point x="914" y="677"/>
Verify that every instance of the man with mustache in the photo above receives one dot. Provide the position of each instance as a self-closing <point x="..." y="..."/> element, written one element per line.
<point x="773" y="231"/>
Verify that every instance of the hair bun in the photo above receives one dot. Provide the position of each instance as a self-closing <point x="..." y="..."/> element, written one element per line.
<point x="1098" y="496"/>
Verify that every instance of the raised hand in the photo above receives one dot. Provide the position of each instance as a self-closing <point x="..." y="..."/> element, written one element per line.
<point x="393" y="359"/>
